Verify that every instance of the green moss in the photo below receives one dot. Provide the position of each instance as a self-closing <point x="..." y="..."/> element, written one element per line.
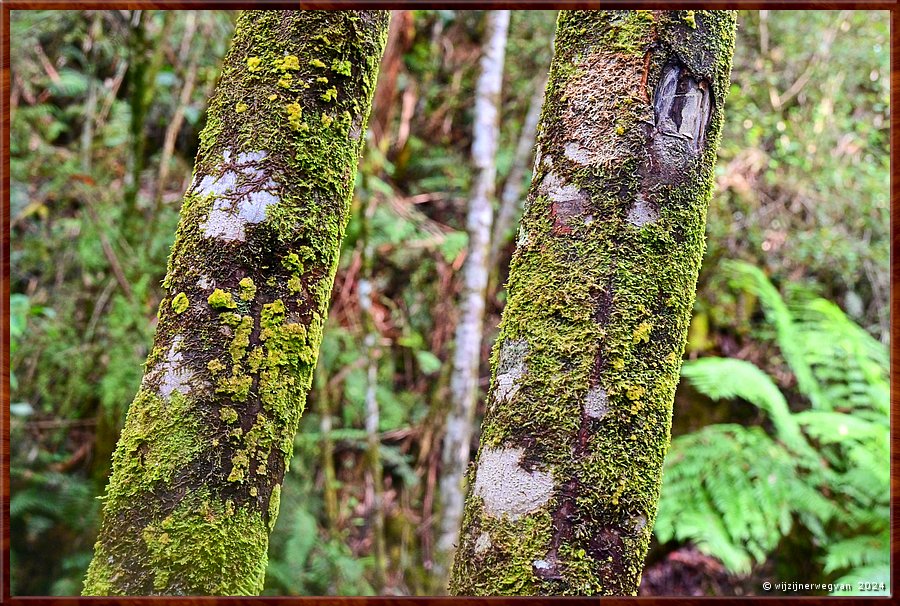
<point x="219" y="299"/>
<point x="318" y="63"/>
<point x="215" y="366"/>
<point x="160" y="436"/>
<point x="274" y="502"/>
<point x="180" y="303"/>
<point x="208" y="547"/>
<point x="294" y="284"/>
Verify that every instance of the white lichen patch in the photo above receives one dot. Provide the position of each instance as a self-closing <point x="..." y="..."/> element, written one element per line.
<point x="241" y="193"/>
<point x="507" y="488"/>
<point x="482" y="543"/>
<point x="204" y="282"/>
<point x="173" y="376"/>
<point x="596" y="403"/>
<point x="639" y="522"/>
<point x="578" y="154"/>
<point x="593" y="130"/>
<point x="510" y="368"/>
<point x="642" y="213"/>
<point x="541" y="564"/>
<point x="554" y="188"/>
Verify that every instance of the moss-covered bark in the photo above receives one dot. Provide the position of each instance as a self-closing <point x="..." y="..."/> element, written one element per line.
<point x="564" y="490"/>
<point x="197" y="472"/>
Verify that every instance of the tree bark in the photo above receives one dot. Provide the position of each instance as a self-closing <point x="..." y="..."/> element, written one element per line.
<point x="197" y="473"/>
<point x="464" y="378"/>
<point x="564" y="491"/>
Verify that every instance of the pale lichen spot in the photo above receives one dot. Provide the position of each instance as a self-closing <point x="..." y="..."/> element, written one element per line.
<point x="482" y="543"/>
<point x="596" y="403"/>
<point x="642" y="213"/>
<point x="172" y="375"/>
<point x="556" y="189"/>
<point x="508" y="489"/>
<point x="522" y="237"/>
<point x="638" y="522"/>
<point x="578" y="154"/>
<point x="510" y="368"/>
<point x="204" y="282"/>
<point x="241" y="192"/>
<point x="541" y="565"/>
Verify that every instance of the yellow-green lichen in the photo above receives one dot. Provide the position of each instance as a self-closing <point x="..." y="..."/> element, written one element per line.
<point x="341" y="67"/>
<point x="240" y="108"/>
<point x="317" y="63"/>
<point x="219" y="299"/>
<point x="690" y="19"/>
<point x="228" y="414"/>
<point x="330" y="94"/>
<point x="289" y="62"/>
<point x="642" y="332"/>
<point x="253" y="64"/>
<point x="180" y="303"/>
<point x="248" y="289"/>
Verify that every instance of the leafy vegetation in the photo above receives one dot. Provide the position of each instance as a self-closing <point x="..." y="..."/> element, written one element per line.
<point x="736" y="491"/>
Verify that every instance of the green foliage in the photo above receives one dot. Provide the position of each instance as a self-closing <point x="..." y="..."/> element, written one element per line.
<point x="787" y="163"/>
<point x="737" y="492"/>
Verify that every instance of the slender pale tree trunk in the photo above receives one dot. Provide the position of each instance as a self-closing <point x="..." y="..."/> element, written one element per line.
<point x="464" y="377"/>
<point x="197" y="473"/>
<point x="564" y="491"/>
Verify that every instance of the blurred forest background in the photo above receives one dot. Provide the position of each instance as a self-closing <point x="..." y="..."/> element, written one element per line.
<point x="778" y="468"/>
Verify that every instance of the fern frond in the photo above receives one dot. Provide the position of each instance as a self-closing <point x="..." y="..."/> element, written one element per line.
<point x="748" y="277"/>
<point x="726" y="378"/>
<point x="733" y="491"/>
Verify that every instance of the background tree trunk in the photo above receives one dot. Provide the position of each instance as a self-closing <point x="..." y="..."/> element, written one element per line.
<point x="563" y="495"/>
<point x="464" y="377"/>
<point x="197" y="473"/>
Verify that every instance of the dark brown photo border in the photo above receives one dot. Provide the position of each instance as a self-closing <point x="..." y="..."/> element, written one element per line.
<point x="893" y="6"/>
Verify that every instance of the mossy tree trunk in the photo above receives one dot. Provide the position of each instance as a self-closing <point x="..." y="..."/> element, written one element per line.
<point x="565" y="486"/>
<point x="197" y="473"/>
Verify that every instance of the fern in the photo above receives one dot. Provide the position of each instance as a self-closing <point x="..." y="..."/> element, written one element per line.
<point x="740" y="510"/>
<point x="724" y="378"/>
<point x="733" y="491"/>
<point x="752" y="279"/>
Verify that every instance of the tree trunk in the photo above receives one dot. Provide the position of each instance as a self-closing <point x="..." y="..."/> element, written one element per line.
<point x="197" y="473"/>
<point x="466" y="357"/>
<point x="564" y="491"/>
